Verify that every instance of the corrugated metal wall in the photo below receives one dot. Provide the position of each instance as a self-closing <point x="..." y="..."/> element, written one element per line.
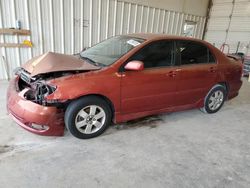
<point x="67" y="26"/>
<point x="229" y="22"/>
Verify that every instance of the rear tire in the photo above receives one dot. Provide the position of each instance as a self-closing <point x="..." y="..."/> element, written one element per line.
<point x="87" y="117"/>
<point x="214" y="99"/>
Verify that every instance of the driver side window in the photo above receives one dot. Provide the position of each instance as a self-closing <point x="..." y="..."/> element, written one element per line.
<point x="155" y="54"/>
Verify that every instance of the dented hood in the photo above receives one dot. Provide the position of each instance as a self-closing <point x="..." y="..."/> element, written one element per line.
<point x="54" y="62"/>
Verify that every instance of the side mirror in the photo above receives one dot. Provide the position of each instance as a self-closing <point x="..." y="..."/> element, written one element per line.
<point x="134" y="65"/>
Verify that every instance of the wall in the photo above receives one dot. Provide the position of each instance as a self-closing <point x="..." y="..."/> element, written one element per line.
<point x="67" y="26"/>
<point x="229" y="23"/>
<point x="194" y="7"/>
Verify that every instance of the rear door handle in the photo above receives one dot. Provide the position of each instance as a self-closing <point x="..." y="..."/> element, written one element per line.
<point x="172" y="73"/>
<point x="212" y="69"/>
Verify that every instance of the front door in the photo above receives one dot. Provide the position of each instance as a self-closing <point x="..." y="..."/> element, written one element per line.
<point x="154" y="87"/>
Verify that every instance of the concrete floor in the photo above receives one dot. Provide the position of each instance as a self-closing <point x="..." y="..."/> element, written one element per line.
<point x="183" y="149"/>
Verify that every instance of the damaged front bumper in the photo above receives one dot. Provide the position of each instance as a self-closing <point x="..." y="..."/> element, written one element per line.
<point x="38" y="119"/>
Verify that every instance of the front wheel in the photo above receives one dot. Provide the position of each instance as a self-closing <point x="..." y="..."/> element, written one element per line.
<point x="215" y="99"/>
<point x="87" y="117"/>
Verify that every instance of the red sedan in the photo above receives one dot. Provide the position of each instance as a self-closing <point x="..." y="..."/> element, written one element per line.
<point x="120" y="79"/>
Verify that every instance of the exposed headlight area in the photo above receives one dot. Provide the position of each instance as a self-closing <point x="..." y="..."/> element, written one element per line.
<point x="35" y="89"/>
<point x="39" y="94"/>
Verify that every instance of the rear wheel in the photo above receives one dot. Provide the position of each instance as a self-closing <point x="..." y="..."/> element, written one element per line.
<point x="87" y="117"/>
<point x="215" y="99"/>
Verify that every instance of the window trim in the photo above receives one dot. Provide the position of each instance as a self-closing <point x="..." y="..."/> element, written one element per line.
<point x="173" y="54"/>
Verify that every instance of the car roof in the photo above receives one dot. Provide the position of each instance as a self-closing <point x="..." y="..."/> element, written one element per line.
<point x="154" y="36"/>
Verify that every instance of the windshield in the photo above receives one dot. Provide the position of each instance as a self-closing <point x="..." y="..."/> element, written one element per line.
<point x="108" y="51"/>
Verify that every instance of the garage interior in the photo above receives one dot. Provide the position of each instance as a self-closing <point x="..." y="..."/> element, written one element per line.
<point x="180" y="149"/>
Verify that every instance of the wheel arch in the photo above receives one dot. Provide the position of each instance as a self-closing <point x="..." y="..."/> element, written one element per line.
<point x="226" y="85"/>
<point x="219" y="84"/>
<point x="106" y="99"/>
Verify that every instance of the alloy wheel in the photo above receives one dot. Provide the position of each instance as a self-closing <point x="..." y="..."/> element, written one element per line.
<point x="90" y="119"/>
<point x="216" y="100"/>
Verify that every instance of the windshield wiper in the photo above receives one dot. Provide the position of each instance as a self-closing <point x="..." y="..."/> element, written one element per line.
<point x="92" y="61"/>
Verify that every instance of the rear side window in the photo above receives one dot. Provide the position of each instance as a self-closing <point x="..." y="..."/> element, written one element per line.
<point x="193" y="53"/>
<point x="156" y="54"/>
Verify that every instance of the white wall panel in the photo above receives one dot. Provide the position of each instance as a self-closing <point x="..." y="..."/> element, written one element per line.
<point x="221" y="1"/>
<point x="218" y="24"/>
<point x="229" y="23"/>
<point x="67" y="26"/>
<point x="196" y="7"/>
<point x="221" y="9"/>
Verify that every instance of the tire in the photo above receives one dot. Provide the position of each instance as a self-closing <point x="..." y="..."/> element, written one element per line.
<point x="214" y="99"/>
<point x="87" y="117"/>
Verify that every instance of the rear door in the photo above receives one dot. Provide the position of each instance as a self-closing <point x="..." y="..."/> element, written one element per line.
<point x="154" y="87"/>
<point x="197" y="71"/>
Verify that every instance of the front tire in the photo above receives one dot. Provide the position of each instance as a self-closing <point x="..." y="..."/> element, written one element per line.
<point x="87" y="117"/>
<point x="214" y="99"/>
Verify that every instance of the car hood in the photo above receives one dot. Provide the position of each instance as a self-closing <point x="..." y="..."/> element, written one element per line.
<point x="54" y="62"/>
